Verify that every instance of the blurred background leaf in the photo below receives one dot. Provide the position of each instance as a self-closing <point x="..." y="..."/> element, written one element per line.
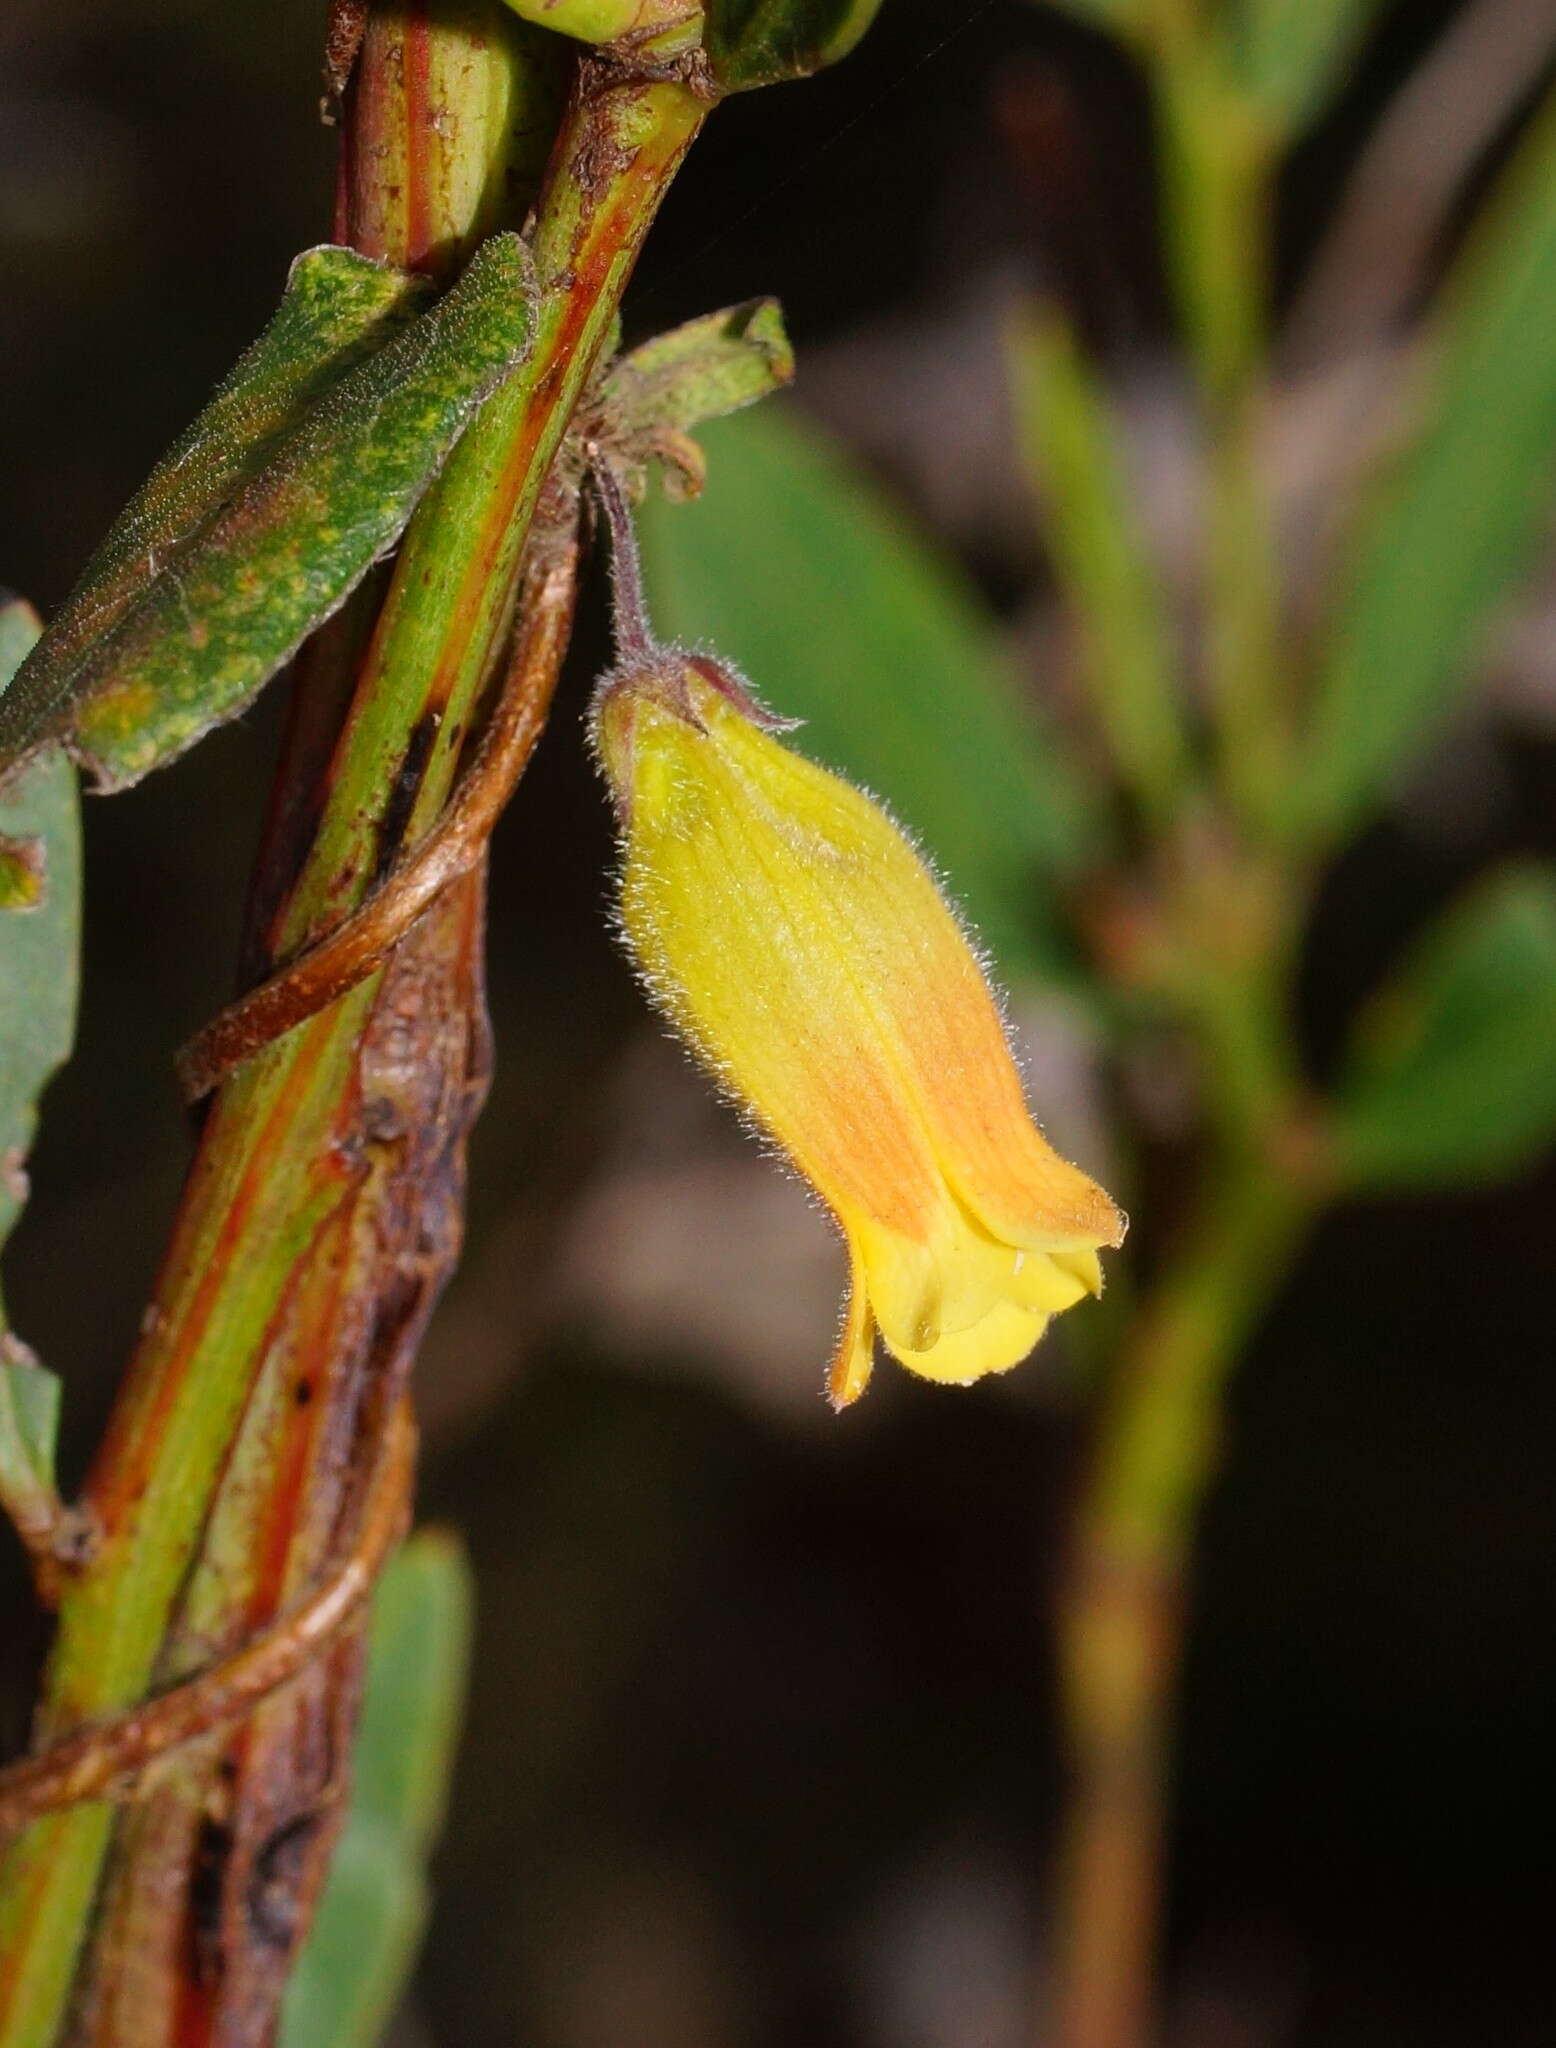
<point x="796" y="568"/>
<point x="1075" y="457"/>
<point x="1446" y="535"/>
<point x="1453" y="1072"/>
<point x="1291" y="54"/>
<point x="370" y="1921"/>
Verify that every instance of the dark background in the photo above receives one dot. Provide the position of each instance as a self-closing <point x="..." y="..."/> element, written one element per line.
<point x="761" y="1748"/>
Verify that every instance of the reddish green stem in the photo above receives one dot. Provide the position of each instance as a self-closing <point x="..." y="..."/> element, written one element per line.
<point x="269" y="1173"/>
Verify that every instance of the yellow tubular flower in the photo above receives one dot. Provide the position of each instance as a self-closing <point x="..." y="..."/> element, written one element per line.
<point x="794" y="937"/>
<point x="790" y="932"/>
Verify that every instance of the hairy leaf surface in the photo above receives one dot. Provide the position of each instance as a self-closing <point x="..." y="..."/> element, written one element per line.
<point x="703" y="369"/>
<point x="279" y="555"/>
<point x="760" y="42"/>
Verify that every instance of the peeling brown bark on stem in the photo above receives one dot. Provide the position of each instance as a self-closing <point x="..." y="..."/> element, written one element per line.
<point x="455" y="845"/>
<point x="110" y="1759"/>
<point x="216" y="1876"/>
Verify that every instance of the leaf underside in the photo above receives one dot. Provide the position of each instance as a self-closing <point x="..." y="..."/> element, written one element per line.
<point x="39" y="946"/>
<point x="39" y="968"/>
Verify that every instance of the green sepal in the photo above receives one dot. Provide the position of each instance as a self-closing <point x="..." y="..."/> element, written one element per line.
<point x="763" y="42"/>
<point x="701" y="370"/>
<point x="375" y="1903"/>
<point x="1452" y="1072"/>
<point x="287" y="548"/>
<point x="39" y="946"/>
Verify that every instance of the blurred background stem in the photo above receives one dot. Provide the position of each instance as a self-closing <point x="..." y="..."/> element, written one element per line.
<point x="1121" y="1608"/>
<point x="1229" y="912"/>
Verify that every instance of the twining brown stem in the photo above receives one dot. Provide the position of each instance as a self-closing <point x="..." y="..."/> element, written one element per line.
<point x="107" y="1759"/>
<point x="357" y="946"/>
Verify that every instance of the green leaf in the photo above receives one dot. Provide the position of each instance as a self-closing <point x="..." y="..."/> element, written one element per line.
<point x="701" y="370"/>
<point x="1100" y="556"/>
<point x="374" y="1908"/>
<point x="19" y="630"/>
<point x="1290" y="55"/>
<point x="39" y="946"/>
<point x="285" y="550"/>
<point x="338" y="307"/>
<point x="21" y="873"/>
<point x="29" y="1433"/>
<point x="1455" y="525"/>
<point x="1452" y="1075"/>
<point x="761" y="42"/>
<point x="795" y="567"/>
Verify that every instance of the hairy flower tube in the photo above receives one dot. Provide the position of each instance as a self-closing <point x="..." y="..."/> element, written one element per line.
<point x="792" y="934"/>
